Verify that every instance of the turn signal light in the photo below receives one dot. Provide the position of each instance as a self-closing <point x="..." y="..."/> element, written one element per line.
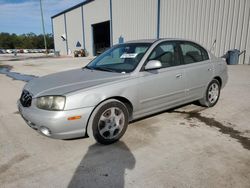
<point x="74" y="118"/>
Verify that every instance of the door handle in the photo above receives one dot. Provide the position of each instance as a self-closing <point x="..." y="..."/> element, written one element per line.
<point x="209" y="69"/>
<point x="178" y="75"/>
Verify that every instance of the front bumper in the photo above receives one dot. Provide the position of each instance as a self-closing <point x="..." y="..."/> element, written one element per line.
<point x="57" y="121"/>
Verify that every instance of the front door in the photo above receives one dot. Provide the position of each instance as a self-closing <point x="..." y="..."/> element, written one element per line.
<point x="164" y="87"/>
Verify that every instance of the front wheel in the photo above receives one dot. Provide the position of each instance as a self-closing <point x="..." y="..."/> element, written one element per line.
<point x="108" y="122"/>
<point x="212" y="94"/>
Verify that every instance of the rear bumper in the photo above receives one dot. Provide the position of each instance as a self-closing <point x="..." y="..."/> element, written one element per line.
<point x="57" y="121"/>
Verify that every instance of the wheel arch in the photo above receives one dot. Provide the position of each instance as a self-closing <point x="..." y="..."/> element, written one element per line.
<point x="219" y="80"/>
<point x="124" y="100"/>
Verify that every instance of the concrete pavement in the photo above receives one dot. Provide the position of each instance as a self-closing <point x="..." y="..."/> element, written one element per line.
<point x="189" y="146"/>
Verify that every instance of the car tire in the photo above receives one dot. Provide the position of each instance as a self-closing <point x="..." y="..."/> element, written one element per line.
<point x="212" y="94"/>
<point x="108" y="122"/>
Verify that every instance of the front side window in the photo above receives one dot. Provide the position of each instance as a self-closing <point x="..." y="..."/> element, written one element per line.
<point x="193" y="53"/>
<point x="167" y="54"/>
<point x="122" y="58"/>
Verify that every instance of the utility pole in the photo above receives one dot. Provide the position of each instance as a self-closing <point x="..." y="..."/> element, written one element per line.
<point x="44" y="36"/>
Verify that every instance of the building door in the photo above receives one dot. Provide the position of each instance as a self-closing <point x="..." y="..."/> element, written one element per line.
<point x="101" y="37"/>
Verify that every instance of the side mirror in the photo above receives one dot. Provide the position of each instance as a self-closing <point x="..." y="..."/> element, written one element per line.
<point x="153" y="64"/>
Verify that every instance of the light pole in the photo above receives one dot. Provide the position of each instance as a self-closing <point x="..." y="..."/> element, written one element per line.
<point x="44" y="36"/>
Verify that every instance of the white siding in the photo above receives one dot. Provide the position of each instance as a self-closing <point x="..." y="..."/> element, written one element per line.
<point x="59" y="29"/>
<point x="74" y="29"/>
<point x="227" y="21"/>
<point x="245" y="31"/>
<point x="134" y="19"/>
<point x="95" y="12"/>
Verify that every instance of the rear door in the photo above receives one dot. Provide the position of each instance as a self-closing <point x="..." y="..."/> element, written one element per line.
<point x="198" y="69"/>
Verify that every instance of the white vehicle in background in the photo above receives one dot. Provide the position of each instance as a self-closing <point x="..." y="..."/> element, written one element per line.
<point x="25" y="51"/>
<point x="9" y="51"/>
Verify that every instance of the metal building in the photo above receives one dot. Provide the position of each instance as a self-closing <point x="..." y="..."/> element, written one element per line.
<point x="95" y="25"/>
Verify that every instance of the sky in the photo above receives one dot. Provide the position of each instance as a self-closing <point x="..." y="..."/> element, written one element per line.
<point x="24" y="16"/>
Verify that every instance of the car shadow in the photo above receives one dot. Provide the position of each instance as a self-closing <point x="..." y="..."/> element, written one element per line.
<point x="103" y="166"/>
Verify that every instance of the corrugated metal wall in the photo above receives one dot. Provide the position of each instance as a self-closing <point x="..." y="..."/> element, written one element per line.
<point x="59" y="29"/>
<point x="227" y="21"/>
<point x="94" y="12"/>
<point x="134" y="19"/>
<point x="74" y="29"/>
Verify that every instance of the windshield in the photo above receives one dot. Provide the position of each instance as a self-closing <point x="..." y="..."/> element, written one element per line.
<point x="122" y="58"/>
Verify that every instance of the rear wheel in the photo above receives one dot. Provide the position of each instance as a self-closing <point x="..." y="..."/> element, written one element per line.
<point x="212" y="94"/>
<point x="108" y="122"/>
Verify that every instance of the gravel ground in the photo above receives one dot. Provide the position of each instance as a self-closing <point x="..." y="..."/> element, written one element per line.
<point x="188" y="146"/>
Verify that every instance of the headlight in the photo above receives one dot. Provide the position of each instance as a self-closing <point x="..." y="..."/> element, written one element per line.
<point x="51" y="102"/>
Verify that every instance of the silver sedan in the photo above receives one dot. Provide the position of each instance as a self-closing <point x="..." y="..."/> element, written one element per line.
<point x="127" y="82"/>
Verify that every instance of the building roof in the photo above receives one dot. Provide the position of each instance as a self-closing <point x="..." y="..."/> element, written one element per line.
<point x="72" y="8"/>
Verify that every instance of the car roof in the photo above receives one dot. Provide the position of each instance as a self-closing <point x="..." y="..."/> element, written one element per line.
<point x="154" y="40"/>
<point x="142" y="41"/>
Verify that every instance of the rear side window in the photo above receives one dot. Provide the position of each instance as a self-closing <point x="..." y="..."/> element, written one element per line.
<point x="193" y="53"/>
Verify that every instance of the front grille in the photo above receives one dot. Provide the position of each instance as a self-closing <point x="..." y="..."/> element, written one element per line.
<point x="26" y="98"/>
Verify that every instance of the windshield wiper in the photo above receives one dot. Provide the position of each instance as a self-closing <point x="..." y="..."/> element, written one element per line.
<point x="87" y="67"/>
<point x="104" y="69"/>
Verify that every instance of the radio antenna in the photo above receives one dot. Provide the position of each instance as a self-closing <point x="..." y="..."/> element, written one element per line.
<point x="213" y="45"/>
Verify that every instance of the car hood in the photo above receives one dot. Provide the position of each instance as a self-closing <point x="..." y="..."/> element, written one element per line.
<point x="68" y="81"/>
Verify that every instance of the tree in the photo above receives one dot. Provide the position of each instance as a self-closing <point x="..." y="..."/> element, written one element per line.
<point x="25" y="41"/>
